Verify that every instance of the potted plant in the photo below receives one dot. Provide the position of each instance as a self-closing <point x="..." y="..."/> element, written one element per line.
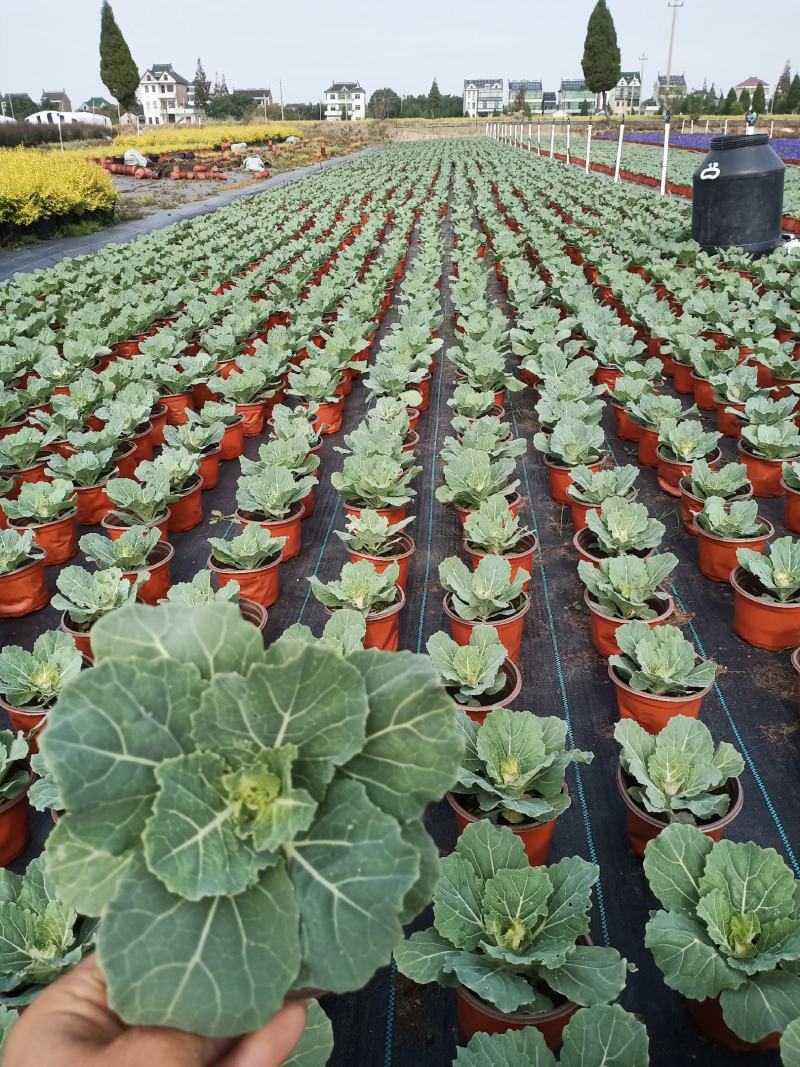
<point x="472" y="476"/>
<point x="202" y="440"/>
<point x="649" y="413"/>
<point x="84" y="597"/>
<point x="15" y="780"/>
<point x="143" y="503"/>
<point x="24" y="456"/>
<point x="731" y="392"/>
<point x="495" y="959"/>
<point x="487" y="434"/>
<point x="623" y="588"/>
<point x="379" y="483"/>
<point x="291" y="453"/>
<point x="376" y="594"/>
<point x="790" y="483"/>
<point x="316" y="385"/>
<point x="370" y="536"/>
<point x="722" y="529"/>
<point x="473" y="404"/>
<point x="728" y="482"/>
<point x="676" y="776"/>
<point x="232" y="441"/>
<point x="494" y="530"/>
<point x="48" y="509"/>
<point x="486" y="595"/>
<point x="513" y="775"/>
<point x="679" y="445"/>
<point x="479" y="675"/>
<point x="589" y="488"/>
<point x="593" y="1037"/>
<point x="273" y="498"/>
<point x="766" y="607"/>
<point x="22" y="587"/>
<point x="182" y="471"/>
<point x="249" y="390"/>
<point x="720" y="938"/>
<point x="291" y="783"/>
<point x="31" y="681"/>
<point x="344" y="631"/>
<point x="764" y="449"/>
<point x="571" y="444"/>
<point x="138" y="552"/>
<point x="201" y="590"/>
<point x="658" y="675"/>
<point x="88" y="471"/>
<point x="252" y="559"/>
<point x="628" y="390"/>
<point x="620" y="527"/>
<point x="298" y="422"/>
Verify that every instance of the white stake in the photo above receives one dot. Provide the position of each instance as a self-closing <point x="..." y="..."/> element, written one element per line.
<point x="726" y="126"/>
<point x="539" y="137"/>
<point x="487" y="129"/>
<point x="771" y="128"/>
<point x="569" y="131"/>
<point x="683" y="125"/>
<point x="691" y="127"/>
<point x="706" y="125"/>
<point x="664" y="160"/>
<point x="588" y="147"/>
<point x="552" y="139"/>
<point x="619" y="151"/>
<point x="530" y="128"/>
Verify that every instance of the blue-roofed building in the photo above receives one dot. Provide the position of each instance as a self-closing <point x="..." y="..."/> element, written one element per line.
<point x="575" y="97"/>
<point x="532" y="91"/>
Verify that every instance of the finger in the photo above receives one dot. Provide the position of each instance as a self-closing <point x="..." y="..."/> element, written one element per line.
<point x="163" y="1047"/>
<point x="270" y="1046"/>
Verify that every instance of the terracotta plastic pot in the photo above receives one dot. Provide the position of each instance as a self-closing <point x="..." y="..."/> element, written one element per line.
<point x="607" y="376"/>
<point x="648" y="445"/>
<point x="328" y="418"/>
<point x="703" y="392"/>
<point x="383" y="627"/>
<point x="682" y="378"/>
<point x="187" y="511"/>
<point x="411" y="442"/>
<point x="402" y="558"/>
<point x="26" y="721"/>
<point x="691" y="505"/>
<point x="126" y="460"/>
<point x="209" y="467"/>
<point x="582" y="542"/>
<point x="158" y="581"/>
<point x="252" y="612"/>
<point x="289" y="527"/>
<point x="509" y="628"/>
<point x="763" y="623"/>
<point x="654" y="712"/>
<point x="261" y="584"/>
<point x="504" y="699"/>
<point x="142" y="442"/>
<point x="424" y="389"/>
<point x="232" y="443"/>
<point x="37" y="472"/>
<point x="716" y="556"/>
<point x="253" y="416"/>
<point x="535" y="836"/>
<point x="476" y="1016"/>
<point x="522" y="559"/>
<point x="413" y="418"/>
<point x="115" y="528"/>
<point x="57" y="539"/>
<point x="514" y="503"/>
<point x="728" y="424"/>
<point x="624" y="426"/>
<point x="765" y="474"/>
<point x="604" y="627"/>
<point x="92" y="503"/>
<point x="671" y="471"/>
<point x="791" y="514"/>
<point x="392" y="514"/>
<point x="81" y="638"/>
<point x="642" y="827"/>
<point x="580" y="510"/>
<point x="14" y="828"/>
<point x="158" y="420"/>
<point x="561" y="477"/>
<point x="176" y="405"/>
<point x="707" y="1015"/>
<point x="23" y="590"/>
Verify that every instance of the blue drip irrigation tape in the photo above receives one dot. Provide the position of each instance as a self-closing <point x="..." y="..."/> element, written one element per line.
<point x="564" y="698"/>
<point x="326" y="538"/>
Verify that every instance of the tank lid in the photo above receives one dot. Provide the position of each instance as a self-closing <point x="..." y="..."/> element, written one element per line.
<point x="739" y="140"/>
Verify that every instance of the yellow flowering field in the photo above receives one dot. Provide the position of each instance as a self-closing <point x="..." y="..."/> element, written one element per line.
<point x="36" y="185"/>
<point x="191" y="138"/>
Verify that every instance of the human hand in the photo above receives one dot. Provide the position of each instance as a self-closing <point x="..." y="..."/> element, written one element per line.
<point x="71" y="1025"/>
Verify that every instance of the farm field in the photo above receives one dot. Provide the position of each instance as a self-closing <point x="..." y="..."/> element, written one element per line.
<point x="438" y="332"/>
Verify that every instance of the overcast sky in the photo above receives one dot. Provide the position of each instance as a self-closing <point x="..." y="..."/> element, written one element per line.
<point x="52" y="44"/>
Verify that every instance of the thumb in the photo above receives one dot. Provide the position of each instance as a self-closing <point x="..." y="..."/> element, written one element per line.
<point x="272" y="1044"/>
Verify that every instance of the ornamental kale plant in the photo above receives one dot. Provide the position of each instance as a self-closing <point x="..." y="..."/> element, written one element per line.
<point x="628" y="587"/>
<point x="344" y="632"/>
<point x="764" y="411"/>
<point x="485" y="593"/>
<point x="473" y="670"/>
<point x="678" y="773"/>
<point x="495" y="529"/>
<point x="777" y="441"/>
<point x="791" y="475"/>
<point x="729" y="927"/>
<point x="594" y="487"/>
<point x="514" y="766"/>
<point x="738" y="385"/>
<point x="248" y="386"/>
<point x="140" y="503"/>
<point x="180" y="466"/>
<point x="289" y="452"/>
<point x="651" y="409"/>
<point x="472" y="477"/>
<point x="86" y="596"/>
<point x="686" y="440"/>
<point x="227" y="811"/>
<point x="660" y="661"/>
<point x="508" y="931"/>
<point x="254" y="547"/>
<point x="360" y="587"/>
<point x="371" y="534"/>
<point x="40" y="502"/>
<point x="200" y="591"/>
<point x="272" y="493"/>
<point x="571" y="444"/>
<point x="43" y="936"/>
<point x="375" y="482"/>
<point x="14" y="773"/>
<point x="622" y="526"/>
<point x="737" y="520"/>
<point x="83" y="468"/>
<point x="471" y="403"/>
<point x="17" y="550"/>
<point x="487" y="434"/>
<point x="728" y="481"/>
<point x="32" y="680"/>
<point x="295" y="422"/>
<point x="24" y="448"/>
<point x="776" y="571"/>
<point x="131" y="551"/>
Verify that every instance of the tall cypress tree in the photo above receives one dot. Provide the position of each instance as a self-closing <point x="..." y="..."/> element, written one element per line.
<point x="202" y="87"/>
<point x="744" y="99"/>
<point x="781" y="89"/>
<point x="759" y="99"/>
<point x="434" y="100"/>
<point x="793" y="96"/>
<point x="600" y="51"/>
<point x="118" y="72"/>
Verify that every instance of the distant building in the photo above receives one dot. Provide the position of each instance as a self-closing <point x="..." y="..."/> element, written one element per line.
<point x="549" y="103"/>
<point x="751" y="84"/>
<point x="345" y="100"/>
<point x="669" y="94"/>
<point x="55" y="100"/>
<point x="260" y="97"/>
<point x="165" y="96"/>
<point x="575" y="97"/>
<point x="483" y="96"/>
<point x="96" y="103"/>
<point x="532" y="91"/>
<point x="650" y="106"/>
<point x="626" y="96"/>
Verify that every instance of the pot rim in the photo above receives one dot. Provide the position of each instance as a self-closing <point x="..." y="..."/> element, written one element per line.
<point x="16" y="525"/>
<point x="564" y="467"/>
<point x="291" y="517"/>
<point x="162" y="548"/>
<point x="238" y="420"/>
<point x="510" y="556"/>
<point x="515" y="500"/>
<point x="487" y="622"/>
<point x="270" y="565"/>
<point x="376" y="616"/>
<point x="735" y="580"/>
<point x="764" y="459"/>
<point x="25" y="566"/>
<point x="701" y="532"/>
<point x="710" y="457"/>
<point x="255" y="609"/>
<point x="527" y="1018"/>
<point x="388" y="559"/>
<point x="211" y="451"/>
<point x="577" y="544"/>
<point x="249" y="404"/>
<point x="15" y="472"/>
<point x="795" y="660"/>
<point x="630" y="497"/>
<point x="788" y="489"/>
<point x="367" y="507"/>
<point x="595" y="610"/>
<point x="737" y="803"/>
<point x="667" y="699"/>
<point x="125" y="526"/>
<point x="748" y="495"/>
<point x="514" y="678"/>
<point x="521" y="827"/>
<point x="98" y="485"/>
<point x="739" y="405"/>
<point x="191" y="486"/>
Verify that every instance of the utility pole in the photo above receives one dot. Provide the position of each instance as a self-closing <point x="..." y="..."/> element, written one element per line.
<point x="674" y="4"/>
<point x="280" y="86"/>
<point x="642" y="61"/>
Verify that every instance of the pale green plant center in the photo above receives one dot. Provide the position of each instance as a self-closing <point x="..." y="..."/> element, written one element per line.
<point x="252" y="792"/>
<point x="509" y="770"/>
<point x="46" y="678"/>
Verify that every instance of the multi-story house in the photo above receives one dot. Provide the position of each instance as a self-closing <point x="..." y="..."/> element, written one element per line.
<point x="260" y="97"/>
<point x="345" y="100"/>
<point x="483" y="96"/>
<point x="751" y="84"/>
<point x="165" y="97"/>
<point x="667" y="94"/>
<point x="55" y="100"/>
<point x="532" y="91"/>
<point x="575" y="97"/>
<point x="96" y="103"/>
<point x="626" y="96"/>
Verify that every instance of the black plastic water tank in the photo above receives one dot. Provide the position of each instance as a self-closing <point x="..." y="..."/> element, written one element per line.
<point x="738" y="195"/>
